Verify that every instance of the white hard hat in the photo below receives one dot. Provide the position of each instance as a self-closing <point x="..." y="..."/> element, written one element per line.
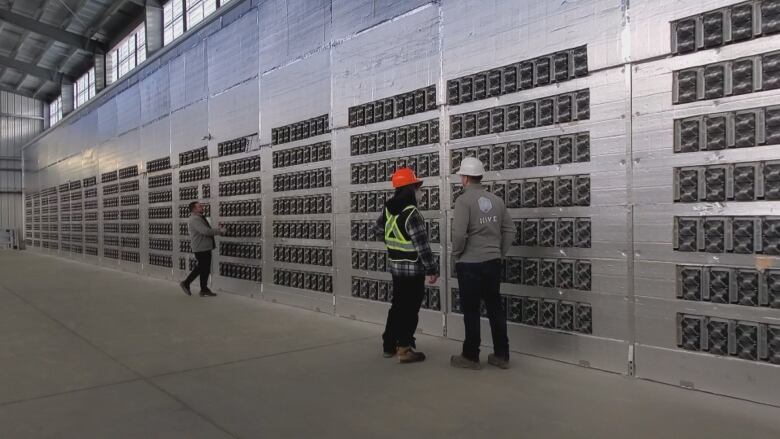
<point x="472" y="167"/>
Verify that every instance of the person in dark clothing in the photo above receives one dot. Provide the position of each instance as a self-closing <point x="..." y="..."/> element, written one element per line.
<point x="482" y="233"/>
<point x="410" y="261"/>
<point x="202" y="243"/>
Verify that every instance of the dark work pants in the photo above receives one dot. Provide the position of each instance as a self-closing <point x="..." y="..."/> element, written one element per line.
<point x="482" y="282"/>
<point x="202" y="269"/>
<point x="408" y="292"/>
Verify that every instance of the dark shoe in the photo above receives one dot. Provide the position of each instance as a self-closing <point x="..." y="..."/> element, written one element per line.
<point x="499" y="362"/>
<point x="388" y="354"/>
<point x="462" y="362"/>
<point x="408" y="355"/>
<point x="185" y="288"/>
<point x="207" y="293"/>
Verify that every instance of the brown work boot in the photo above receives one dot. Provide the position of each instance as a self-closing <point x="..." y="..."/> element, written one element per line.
<point x="408" y="355"/>
<point x="462" y="362"/>
<point x="499" y="362"/>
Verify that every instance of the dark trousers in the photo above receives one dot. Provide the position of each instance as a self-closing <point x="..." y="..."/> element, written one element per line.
<point x="202" y="269"/>
<point x="482" y="282"/>
<point x="408" y="292"/>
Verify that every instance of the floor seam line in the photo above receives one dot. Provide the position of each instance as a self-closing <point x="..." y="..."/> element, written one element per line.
<point x="68" y="392"/>
<point x="260" y="357"/>
<point x="109" y="356"/>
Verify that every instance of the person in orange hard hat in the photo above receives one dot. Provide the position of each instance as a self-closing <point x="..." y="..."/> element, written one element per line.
<point x="410" y="261"/>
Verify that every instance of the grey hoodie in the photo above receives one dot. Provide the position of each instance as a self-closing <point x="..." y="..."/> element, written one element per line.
<point x="482" y="229"/>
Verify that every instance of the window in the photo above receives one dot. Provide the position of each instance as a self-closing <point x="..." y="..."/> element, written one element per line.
<point x="197" y="10"/>
<point x="182" y="15"/>
<point x="128" y="53"/>
<point x="84" y="88"/>
<point x="173" y="20"/>
<point x="55" y="111"/>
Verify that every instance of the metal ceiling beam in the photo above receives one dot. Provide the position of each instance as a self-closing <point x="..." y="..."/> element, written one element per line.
<point x="49" y="44"/>
<point x="33" y="70"/>
<point x="25" y="34"/>
<point x="55" y="33"/>
<point x="105" y="17"/>
<point x="18" y="91"/>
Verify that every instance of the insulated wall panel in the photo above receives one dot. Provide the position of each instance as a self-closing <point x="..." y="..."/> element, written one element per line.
<point x="155" y="139"/>
<point x="128" y="109"/>
<point x="353" y="16"/>
<point x="527" y="29"/>
<point x="233" y="54"/>
<point x="399" y="56"/>
<point x="298" y="91"/>
<point x="292" y="28"/>
<point x="189" y="128"/>
<point x="177" y="83"/>
<point x="188" y="83"/>
<point x="195" y="74"/>
<point x="234" y="112"/>
<point x="107" y="120"/>
<point x="155" y="95"/>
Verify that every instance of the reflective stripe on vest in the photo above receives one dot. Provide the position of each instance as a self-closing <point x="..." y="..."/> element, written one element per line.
<point x="399" y="246"/>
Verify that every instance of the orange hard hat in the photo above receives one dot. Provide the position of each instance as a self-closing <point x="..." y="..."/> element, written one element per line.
<point x="404" y="177"/>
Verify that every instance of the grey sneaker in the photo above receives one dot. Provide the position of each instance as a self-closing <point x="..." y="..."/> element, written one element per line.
<point x="501" y="363"/>
<point x="462" y="362"/>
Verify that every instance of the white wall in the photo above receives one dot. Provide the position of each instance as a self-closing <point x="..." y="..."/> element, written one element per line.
<point x="21" y="118"/>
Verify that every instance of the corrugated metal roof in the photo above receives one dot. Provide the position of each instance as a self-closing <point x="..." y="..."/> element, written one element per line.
<point x="97" y="20"/>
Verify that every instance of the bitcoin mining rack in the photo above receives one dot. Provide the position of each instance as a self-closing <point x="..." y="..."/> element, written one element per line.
<point x="238" y="209"/>
<point x="73" y="241"/>
<point x="29" y="218"/>
<point x="49" y="219"/>
<point x="65" y="219"/>
<point x="707" y="185"/>
<point x="158" y="209"/>
<point x="130" y="221"/>
<point x="400" y="130"/>
<point x="552" y="160"/>
<point x="91" y="219"/>
<point x="193" y="184"/>
<point x="299" y="231"/>
<point x="109" y="213"/>
<point x="63" y="190"/>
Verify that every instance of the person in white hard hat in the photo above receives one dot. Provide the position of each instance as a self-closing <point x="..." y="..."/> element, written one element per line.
<point x="482" y="233"/>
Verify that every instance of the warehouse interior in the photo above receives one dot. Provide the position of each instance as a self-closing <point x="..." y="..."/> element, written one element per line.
<point x="635" y="145"/>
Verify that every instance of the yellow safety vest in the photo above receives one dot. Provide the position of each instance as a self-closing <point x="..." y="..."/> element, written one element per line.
<point x="399" y="245"/>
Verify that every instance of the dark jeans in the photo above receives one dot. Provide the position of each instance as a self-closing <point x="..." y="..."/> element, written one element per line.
<point x="202" y="269"/>
<point x="482" y="282"/>
<point x="402" y="318"/>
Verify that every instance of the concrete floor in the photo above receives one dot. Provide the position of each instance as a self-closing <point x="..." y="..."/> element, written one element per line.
<point x="87" y="352"/>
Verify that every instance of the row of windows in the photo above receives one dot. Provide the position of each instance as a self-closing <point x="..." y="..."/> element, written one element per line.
<point x="178" y="16"/>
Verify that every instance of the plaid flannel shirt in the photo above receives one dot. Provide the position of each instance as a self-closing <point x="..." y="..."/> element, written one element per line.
<point x="426" y="264"/>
